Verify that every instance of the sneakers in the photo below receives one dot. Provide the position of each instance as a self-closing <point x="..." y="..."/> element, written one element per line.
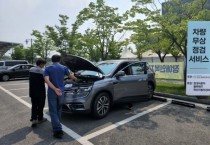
<point x="58" y="134"/>
<point x="34" y="123"/>
<point x="40" y="121"/>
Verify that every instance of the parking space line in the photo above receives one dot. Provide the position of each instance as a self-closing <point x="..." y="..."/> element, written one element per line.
<point x="17" y="89"/>
<point x="24" y="97"/>
<point x="13" y="84"/>
<point x="46" y="108"/>
<point x="16" y="97"/>
<point x="67" y="130"/>
<point x="113" y="126"/>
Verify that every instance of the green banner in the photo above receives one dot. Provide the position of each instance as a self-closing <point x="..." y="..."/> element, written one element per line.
<point x="168" y="70"/>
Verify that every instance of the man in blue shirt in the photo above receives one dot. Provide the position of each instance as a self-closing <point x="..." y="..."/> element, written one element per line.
<point x="54" y="77"/>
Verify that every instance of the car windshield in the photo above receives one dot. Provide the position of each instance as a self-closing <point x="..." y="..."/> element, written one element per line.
<point x="106" y="68"/>
<point x="1" y="63"/>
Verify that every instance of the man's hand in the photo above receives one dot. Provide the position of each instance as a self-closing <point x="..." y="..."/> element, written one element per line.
<point x="58" y="91"/>
<point x="72" y="77"/>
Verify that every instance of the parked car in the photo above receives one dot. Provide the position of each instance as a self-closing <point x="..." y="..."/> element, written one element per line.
<point x="17" y="71"/>
<point x="100" y="86"/>
<point x="5" y="64"/>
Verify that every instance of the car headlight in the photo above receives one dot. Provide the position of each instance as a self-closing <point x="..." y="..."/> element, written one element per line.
<point x="77" y="92"/>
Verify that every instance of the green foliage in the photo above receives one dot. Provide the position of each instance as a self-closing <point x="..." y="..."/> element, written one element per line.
<point x="60" y="35"/>
<point x="42" y="44"/>
<point x="28" y="54"/>
<point x="162" y="33"/>
<point x="171" y="27"/>
<point x="18" y="53"/>
<point x="100" y="42"/>
<point x="22" y="53"/>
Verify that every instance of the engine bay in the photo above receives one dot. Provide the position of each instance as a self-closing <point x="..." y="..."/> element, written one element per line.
<point x="82" y="81"/>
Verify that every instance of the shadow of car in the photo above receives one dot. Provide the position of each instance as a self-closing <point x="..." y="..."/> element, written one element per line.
<point x="100" y="86"/>
<point x="17" y="71"/>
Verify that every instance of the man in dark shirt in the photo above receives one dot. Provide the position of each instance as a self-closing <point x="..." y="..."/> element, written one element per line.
<point x="37" y="92"/>
<point x="54" y="77"/>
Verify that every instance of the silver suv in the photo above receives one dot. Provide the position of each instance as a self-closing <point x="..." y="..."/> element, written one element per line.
<point x="100" y="86"/>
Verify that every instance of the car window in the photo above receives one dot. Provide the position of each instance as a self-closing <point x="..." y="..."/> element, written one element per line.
<point x="24" y="62"/>
<point x="125" y="69"/>
<point x="12" y="63"/>
<point x="107" y="68"/>
<point x="17" y="68"/>
<point x="137" y="68"/>
<point x="1" y="63"/>
<point x="29" y="66"/>
<point x="23" y="67"/>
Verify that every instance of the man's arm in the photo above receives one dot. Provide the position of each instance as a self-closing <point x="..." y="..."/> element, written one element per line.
<point x="71" y="76"/>
<point x="57" y="91"/>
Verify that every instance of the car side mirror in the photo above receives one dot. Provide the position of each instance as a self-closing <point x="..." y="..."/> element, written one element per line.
<point x="119" y="73"/>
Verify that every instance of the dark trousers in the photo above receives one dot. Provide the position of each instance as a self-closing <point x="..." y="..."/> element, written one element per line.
<point x="37" y="107"/>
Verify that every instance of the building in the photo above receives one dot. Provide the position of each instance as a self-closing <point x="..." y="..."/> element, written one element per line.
<point x="5" y="46"/>
<point x="149" y="56"/>
<point x="126" y="54"/>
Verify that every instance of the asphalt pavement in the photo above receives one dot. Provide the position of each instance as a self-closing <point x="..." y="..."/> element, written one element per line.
<point x="148" y="123"/>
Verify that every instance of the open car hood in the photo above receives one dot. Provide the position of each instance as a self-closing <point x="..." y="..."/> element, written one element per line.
<point x="76" y="63"/>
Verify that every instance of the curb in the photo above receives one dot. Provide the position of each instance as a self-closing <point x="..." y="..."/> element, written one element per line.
<point x="185" y="98"/>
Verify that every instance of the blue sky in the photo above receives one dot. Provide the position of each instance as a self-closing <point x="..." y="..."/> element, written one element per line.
<point x="19" y="17"/>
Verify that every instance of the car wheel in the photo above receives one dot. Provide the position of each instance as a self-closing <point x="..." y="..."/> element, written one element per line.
<point x="101" y="105"/>
<point x="151" y="90"/>
<point x="5" y="77"/>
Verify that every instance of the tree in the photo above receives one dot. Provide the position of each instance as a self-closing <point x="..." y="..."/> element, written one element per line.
<point x="174" y="21"/>
<point x="60" y="35"/>
<point x="28" y="54"/>
<point x="107" y="24"/>
<point x="18" y="53"/>
<point x="139" y="37"/>
<point x="160" y="44"/>
<point x="175" y="52"/>
<point x="42" y="44"/>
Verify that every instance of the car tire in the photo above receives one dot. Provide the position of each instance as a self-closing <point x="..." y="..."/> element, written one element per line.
<point x="101" y="105"/>
<point x="151" y="90"/>
<point x="5" y="77"/>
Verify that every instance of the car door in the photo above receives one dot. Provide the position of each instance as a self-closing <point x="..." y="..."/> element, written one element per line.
<point x="16" y="72"/>
<point x="140" y="78"/>
<point x="132" y="84"/>
<point x="25" y="70"/>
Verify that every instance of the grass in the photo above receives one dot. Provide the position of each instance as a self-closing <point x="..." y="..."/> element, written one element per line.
<point x="178" y="89"/>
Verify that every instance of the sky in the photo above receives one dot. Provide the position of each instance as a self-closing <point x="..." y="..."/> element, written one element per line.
<point x="19" y="17"/>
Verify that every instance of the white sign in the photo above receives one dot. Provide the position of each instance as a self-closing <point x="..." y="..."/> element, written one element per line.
<point x="198" y="58"/>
